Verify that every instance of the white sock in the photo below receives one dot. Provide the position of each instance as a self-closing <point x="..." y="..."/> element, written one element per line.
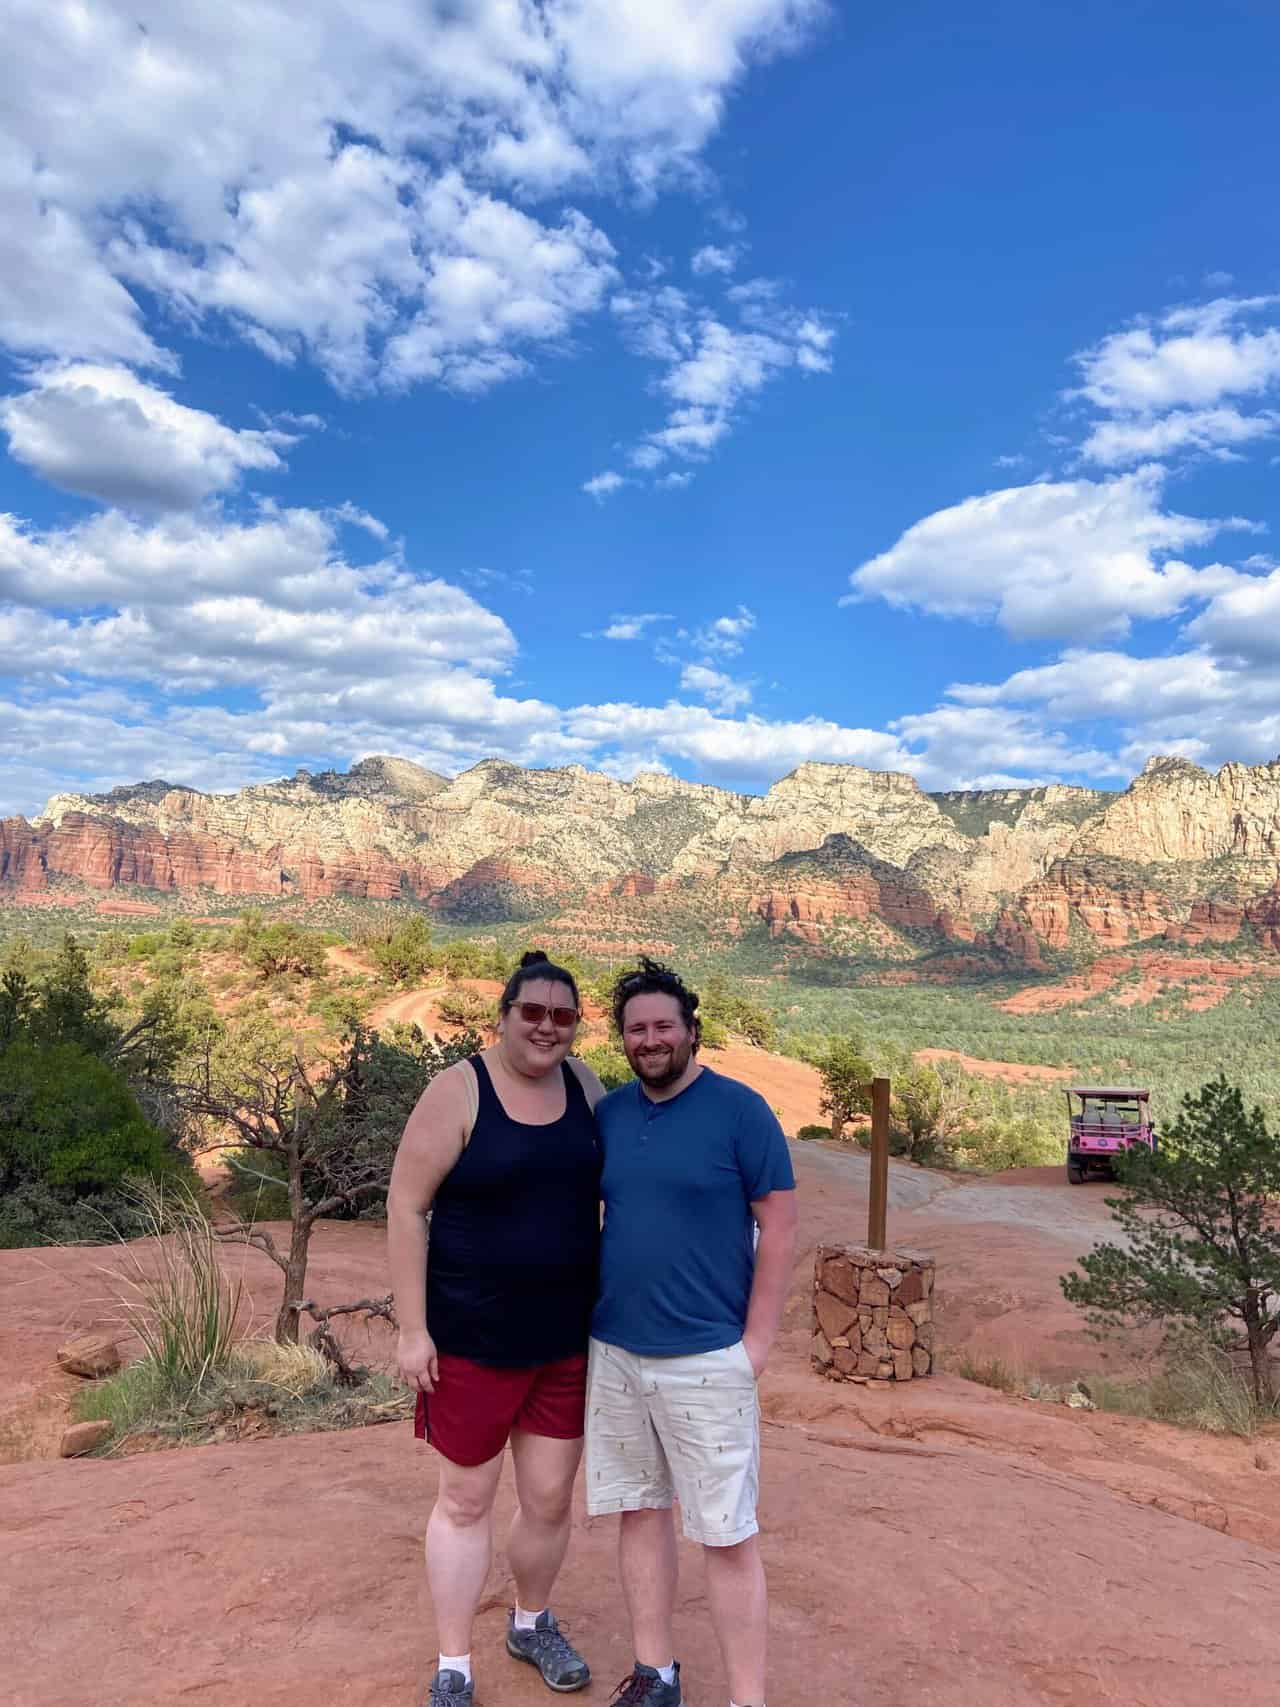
<point x="456" y="1662"/>
<point x="668" y="1672"/>
<point x="526" y="1620"/>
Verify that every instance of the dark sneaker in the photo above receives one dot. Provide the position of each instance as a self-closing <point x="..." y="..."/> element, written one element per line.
<point x="449" y="1690"/>
<point x="645" y="1688"/>
<point x="545" y="1646"/>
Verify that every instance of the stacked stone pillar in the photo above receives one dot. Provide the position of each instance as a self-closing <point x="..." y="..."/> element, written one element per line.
<point x="872" y="1313"/>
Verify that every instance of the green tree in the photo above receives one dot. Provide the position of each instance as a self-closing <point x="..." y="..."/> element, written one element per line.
<point x="1201" y="1241"/>
<point x="284" y="947"/>
<point x="69" y="1119"/>
<point x="846" y="1082"/>
<point x="324" y="1128"/>
<point x="402" y="952"/>
<point x="67" y="1010"/>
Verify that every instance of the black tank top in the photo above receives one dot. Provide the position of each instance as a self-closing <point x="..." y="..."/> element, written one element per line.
<point x="512" y="1256"/>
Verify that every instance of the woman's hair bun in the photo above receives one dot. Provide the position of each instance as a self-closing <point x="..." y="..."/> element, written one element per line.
<point x="535" y="957"/>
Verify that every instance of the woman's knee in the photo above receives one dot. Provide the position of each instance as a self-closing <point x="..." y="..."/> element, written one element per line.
<point x="548" y="1507"/>
<point x="466" y="1500"/>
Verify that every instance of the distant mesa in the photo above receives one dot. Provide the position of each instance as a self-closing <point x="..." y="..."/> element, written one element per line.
<point x="834" y="859"/>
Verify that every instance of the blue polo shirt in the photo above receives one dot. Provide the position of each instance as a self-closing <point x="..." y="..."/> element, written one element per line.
<point x="677" y="1251"/>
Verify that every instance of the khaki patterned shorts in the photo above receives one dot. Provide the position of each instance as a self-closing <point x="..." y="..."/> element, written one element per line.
<point x="687" y="1428"/>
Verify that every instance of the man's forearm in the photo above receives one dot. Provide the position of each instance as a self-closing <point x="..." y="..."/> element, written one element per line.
<point x="775" y="1258"/>
<point x="407" y="1259"/>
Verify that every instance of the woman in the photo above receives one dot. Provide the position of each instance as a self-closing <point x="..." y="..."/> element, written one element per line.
<point x="502" y="1148"/>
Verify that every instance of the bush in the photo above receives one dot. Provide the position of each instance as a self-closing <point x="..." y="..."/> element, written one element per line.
<point x="403" y="952"/>
<point x="812" y="1131"/>
<point x="609" y="1064"/>
<point x="726" y="1008"/>
<point x="459" y="1006"/>
<point x="70" y="1120"/>
<point x="282" y="948"/>
<point x="33" y="1213"/>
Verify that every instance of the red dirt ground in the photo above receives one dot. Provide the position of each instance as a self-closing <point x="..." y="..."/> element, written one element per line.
<point x="934" y="1545"/>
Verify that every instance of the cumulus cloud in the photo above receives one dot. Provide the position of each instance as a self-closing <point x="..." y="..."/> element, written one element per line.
<point x="711" y="366"/>
<point x="1213" y="432"/>
<point x="604" y="485"/>
<point x="718" y="689"/>
<point x="725" y="635"/>
<point x="1176" y="383"/>
<point x="1190" y="356"/>
<point x="100" y="431"/>
<point x="710" y="259"/>
<point x="378" y="229"/>
<point x="1060" y="559"/>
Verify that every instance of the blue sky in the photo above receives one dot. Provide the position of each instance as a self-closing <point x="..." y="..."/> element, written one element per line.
<point x="703" y="385"/>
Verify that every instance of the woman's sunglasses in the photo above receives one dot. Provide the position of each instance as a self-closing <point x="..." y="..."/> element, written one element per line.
<point x="533" y="1013"/>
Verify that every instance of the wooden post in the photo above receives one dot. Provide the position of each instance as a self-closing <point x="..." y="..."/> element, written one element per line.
<point x="877" y="1212"/>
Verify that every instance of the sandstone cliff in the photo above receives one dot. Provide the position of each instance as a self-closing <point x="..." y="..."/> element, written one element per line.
<point x="831" y="854"/>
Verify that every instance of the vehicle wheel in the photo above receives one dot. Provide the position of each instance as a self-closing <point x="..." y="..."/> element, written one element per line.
<point x="1075" y="1173"/>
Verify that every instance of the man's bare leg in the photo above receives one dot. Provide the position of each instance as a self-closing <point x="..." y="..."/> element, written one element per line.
<point x="649" y="1568"/>
<point x="739" y="1607"/>
<point x="460" y="1548"/>
<point x="545" y="1471"/>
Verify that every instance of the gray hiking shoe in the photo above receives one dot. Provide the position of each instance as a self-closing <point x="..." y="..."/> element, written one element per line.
<point x="545" y="1646"/>
<point x="449" y="1690"/>
<point x="645" y="1688"/>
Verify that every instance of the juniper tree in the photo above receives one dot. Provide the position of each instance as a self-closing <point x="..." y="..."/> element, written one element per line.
<point x="1201" y="1236"/>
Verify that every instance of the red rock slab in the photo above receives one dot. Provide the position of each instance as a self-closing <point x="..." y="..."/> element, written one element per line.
<point x="286" y="1572"/>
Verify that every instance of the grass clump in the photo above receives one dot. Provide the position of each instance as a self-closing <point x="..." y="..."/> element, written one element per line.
<point x="989" y="1372"/>
<point x="1198" y="1387"/>
<point x="264" y="1389"/>
<point x="175" y="1297"/>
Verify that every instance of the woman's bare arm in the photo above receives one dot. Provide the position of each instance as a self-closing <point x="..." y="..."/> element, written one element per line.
<point x="433" y="1139"/>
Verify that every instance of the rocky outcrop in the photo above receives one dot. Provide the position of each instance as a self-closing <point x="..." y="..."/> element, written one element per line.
<point x="1181" y="856"/>
<point x="22" y="859"/>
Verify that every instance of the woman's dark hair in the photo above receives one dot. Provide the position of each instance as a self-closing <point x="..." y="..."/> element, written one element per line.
<point x="652" y="978"/>
<point x="535" y="965"/>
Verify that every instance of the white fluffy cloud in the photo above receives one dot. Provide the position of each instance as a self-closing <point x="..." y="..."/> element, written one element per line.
<point x="1191" y="356"/>
<point x="1162" y="385"/>
<point x="604" y="485"/>
<point x="347" y="189"/>
<point x="712" y="259"/>
<point x="1061" y="559"/>
<point x="101" y="431"/>
<point x="1212" y="432"/>
<point x="711" y="367"/>
<point x="718" y="689"/>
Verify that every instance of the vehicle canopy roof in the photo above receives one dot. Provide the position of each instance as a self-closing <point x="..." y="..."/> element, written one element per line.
<point x="1110" y="1093"/>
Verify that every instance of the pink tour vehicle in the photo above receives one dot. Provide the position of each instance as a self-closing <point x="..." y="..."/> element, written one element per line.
<point x="1108" y="1118"/>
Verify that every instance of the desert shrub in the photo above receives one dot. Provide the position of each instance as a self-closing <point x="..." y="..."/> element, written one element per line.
<point x="402" y="951"/>
<point x="609" y="1064"/>
<point x="714" y="1033"/>
<point x="460" y="1006"/>
<point x="989" y="1372"/>
<point x="33" y="1212"/>
<point x="725" y="1008"/>
<point x="812" y="1131"/>
<point x="1197" y="1387"/>
<point x="846" y="1075"/>
<point x="996" y="1142"/>
<point x="70" y="1120"/>
<point x="283" y="948"/>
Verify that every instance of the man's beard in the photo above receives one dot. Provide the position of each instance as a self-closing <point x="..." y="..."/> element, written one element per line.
<point x="661" y="1068"/>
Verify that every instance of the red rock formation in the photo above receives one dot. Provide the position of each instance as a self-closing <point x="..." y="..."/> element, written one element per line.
<point x="21" y="856"/>
<point x="1112" y="911"/>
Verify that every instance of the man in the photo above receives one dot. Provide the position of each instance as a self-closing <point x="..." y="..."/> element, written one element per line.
<point x="694" y="1163"/>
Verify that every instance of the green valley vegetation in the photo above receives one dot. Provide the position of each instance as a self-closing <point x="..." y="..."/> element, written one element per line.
<point x="1200" y="1243"/>
<point x="76" y="1118"/>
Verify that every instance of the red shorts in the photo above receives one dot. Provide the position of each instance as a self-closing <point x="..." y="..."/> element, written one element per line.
<point x="474" y="1408"/>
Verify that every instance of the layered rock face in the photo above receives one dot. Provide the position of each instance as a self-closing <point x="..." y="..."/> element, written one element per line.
<point x="832" y="853"/>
